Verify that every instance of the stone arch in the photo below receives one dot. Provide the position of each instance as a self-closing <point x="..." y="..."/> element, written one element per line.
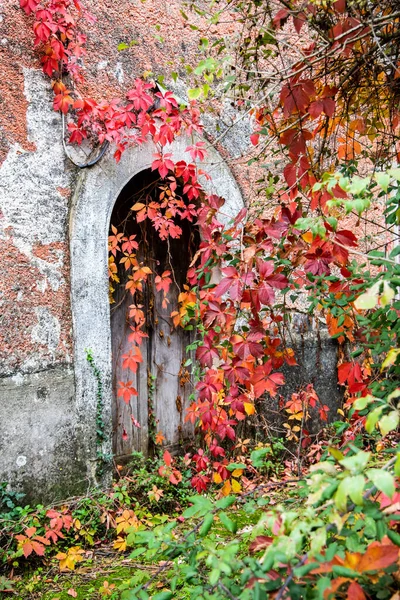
<point x="96" y="192"/>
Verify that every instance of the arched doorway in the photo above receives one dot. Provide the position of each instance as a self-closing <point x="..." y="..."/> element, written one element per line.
<point x="162" y="380"/>
<point x="93" y="201"/>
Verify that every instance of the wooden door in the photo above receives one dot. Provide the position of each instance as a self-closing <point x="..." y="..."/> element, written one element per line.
<point x="162" y="381"/>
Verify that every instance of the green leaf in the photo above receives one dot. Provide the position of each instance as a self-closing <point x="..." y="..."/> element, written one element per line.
<point x="391" y="358"/>
<point x="341" y="495"/>
<point x="373" y="418"/>
<point x="358" y="185"/>
<point x="305" y="569"/>
<point x="395" y="252"/>
<point x="362" y="403"/>
<point x="304" y="223"/>
<point x="383" y="180"/>
<point x="389" y="422"/>
<point x="395" y="173"/>
<point x="226" y="502"/>
<point x="227" y="522"/>
<point x="206" y="89"/>
<point x="355" y="488"/>
<point x="337" y="454"/>
<point x="387" y="294"/>
<point x="201" y="506"/>
<point x="332" y="222"/>
<point x="214" y="576"/>
<point x="205" y="528"/>
<point x="397" y="465"/>
<point x="382" y="480"/>
<point x="393" y="536"/>
<point x="318" y="540"/>
<point x="234" y="466"/>
<point x="122" y="46"/>
<point x="339" y="571"/>
<point x="356" y="463"/>
<point x="163" y="596"/>
<point x="394" y="394"/>
<point x="137" y="552"/>
<point x="194" y="93"/>
<point x="257" y="457"/>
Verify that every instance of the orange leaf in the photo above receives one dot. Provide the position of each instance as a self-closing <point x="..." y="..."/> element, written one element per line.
<point x="159" y="438"/>
<point x="378" y="556"/>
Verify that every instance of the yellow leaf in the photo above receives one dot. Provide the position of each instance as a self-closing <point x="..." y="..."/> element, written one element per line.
<point x="391" y="358"/>
<point x="120" y="544"/>
<point x="249" y="408"/>
<point x="68" y="560"/>
<point x="297" y="416"/>
<point x="217" y="478"/>
<point x="236" y="487"/>
<point x="237" y="473"/>
<point x="126" y="520"/>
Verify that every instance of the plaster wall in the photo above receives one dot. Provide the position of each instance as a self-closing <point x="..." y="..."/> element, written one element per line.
<point x="47" y="389"/>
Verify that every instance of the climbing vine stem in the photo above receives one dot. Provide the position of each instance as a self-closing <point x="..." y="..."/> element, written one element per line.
<point x="102" y="458"/>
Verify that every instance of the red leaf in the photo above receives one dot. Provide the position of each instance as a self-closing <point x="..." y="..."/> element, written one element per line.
<point x="132" y="359"/>
<point x="245" y="347"/>
<point x="265" y="381"/>
<point x="27" y="548"/>
<point x="206" y="353"/>
<point x="280" y="17"/>
<point x="260" y="543"/>
<point x="290" y="174"/>
<point x="266" y="294"/>
<point x="223" y="286"/>
<point x="167" y="458"/>
<point x="254" y="138"/>
<point x="29" y="6"/>
<point x="340" y="6"/>
<point x="231" y="282"/>
<point x="126" y="390"/>
<point x="355" y="592"/>
<point x="316" y="108"/>
<point x="163" y="282"/>
<point x="351" y="373"/>
<point x="299" y="21"/>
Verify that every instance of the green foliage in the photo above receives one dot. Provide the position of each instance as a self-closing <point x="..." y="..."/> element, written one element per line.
<point x="9" y="501"/>
<point x="329" y="533"/>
